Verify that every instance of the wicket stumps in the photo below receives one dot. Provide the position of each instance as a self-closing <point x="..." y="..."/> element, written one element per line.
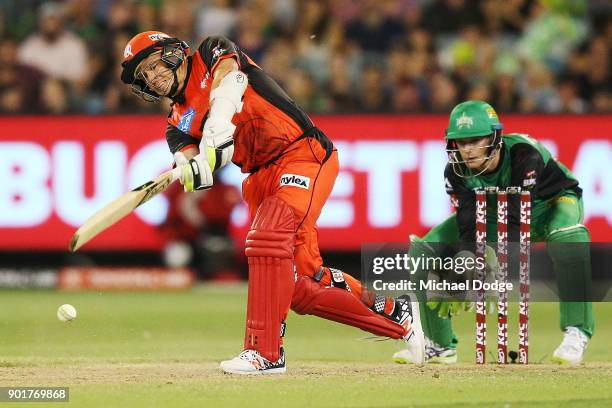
<point x="525" y="243"/>
<point x="481" y="242"/>
<point x="502" y="274"/>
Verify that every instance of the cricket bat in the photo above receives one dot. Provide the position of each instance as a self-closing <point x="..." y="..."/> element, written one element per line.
<point x="119" y="208"/>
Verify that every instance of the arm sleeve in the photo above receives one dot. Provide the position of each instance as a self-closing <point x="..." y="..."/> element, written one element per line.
<point x="527" y="168"/>
<point x="464" y="201"/>
<point x="215" y="49"/>
<point x="178" y="140"/>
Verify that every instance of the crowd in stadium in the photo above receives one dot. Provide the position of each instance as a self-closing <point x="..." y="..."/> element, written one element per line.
<point x="401" y="56"/>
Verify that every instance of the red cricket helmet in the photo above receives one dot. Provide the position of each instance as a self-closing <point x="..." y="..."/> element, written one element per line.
<point x="173" y="52"/>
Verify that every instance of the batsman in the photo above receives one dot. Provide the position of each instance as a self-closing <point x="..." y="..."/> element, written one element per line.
<point x="225" y="108"/>
<point x="479" y="156"/>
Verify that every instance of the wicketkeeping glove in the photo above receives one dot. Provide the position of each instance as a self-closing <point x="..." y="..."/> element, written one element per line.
<point x="448" y="308"/>
<point x="451" y="307"/>
<point x="491" y="263"/>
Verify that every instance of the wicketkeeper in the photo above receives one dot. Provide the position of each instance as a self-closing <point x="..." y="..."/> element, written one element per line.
<point x="480" y="157"/>
<point x="226" y="108"/>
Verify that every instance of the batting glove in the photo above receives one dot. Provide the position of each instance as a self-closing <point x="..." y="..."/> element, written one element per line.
<point x="218" y="132"/>
<point x="196" y="174"/>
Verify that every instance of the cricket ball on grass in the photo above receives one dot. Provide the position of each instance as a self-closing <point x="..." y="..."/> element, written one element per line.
<point x="66" y="313"/>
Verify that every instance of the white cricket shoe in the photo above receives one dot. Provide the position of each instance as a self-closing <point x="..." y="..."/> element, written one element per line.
<point x="434" y="354"/>
<point x="572" y="347"/>
<point x="415" y="338"/>
<point x="250" y="362"/>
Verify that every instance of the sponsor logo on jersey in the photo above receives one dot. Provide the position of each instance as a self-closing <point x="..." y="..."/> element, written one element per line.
<point x="448" y="185"/>
<point x="128" y="51"/>
<point x="529" y="182"/>
<point x="464" y="120"/>
<point x="186" y="119"/>
<point x="295" y="180"/>
<point x="203" y="84"/>
<point x="158" y="36"/>
<point x="530" y="178"/>
<point x="217" y="52"/>
<point x="454" y="201"/>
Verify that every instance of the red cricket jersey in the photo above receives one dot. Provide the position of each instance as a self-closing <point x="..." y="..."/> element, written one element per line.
<point x="268" y="123"/>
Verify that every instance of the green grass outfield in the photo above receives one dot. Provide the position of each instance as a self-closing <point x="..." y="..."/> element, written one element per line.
<point x="163" y="349"/>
